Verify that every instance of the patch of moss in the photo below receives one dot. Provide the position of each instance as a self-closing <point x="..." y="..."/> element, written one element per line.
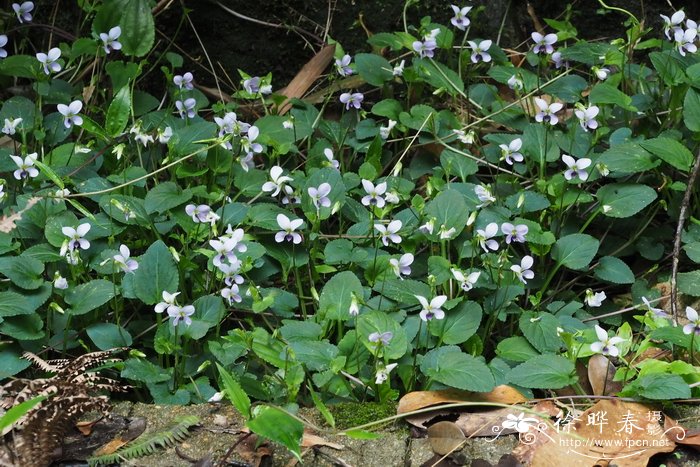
<point x="352" y="414"/>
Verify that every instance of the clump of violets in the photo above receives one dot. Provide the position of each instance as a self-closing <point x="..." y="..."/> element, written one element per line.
<point x="352" y="100"/>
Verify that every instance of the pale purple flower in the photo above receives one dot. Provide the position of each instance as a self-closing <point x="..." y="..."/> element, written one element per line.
<point x="586" y="117"/>
<point x="26" y="166"/>
<point x="59" y="282"/>
<point x="383" y="373"/>
<point x="143" y="138"/>
<point x="75" y="236"/>
<point x="224" y="250"/>
<point x="10" y="126"/>
<point x="389" y="232"/>
<point x="352" y="100"/>
<point x="433" y="309"/>
<point x="466" y="282"/>
<point x="576" y="168"/>
<point x="291" y="196"/>
<point x="484" y="195"/>
<point x="514" y="233"/>
<point x="319" y="196"/>
<point x="328" y="153"/>
<point x="479" y="51"/>
<point x="515" y="83"/>
<point x="601" y="73"/>
<point x="425" y="48"/>
<point x="232" y="272"/>
<point x="248" y="144"/>
<point x="594" y="299"/>
<point x="460" y="20"/>
<point x="184" y="313"/>
<point x="255" y="85"/>
<point x="354" y="308"/>
<point x="402" y="266"/>
<point x="606" y="345"/>
<point x="70" y="113"/>
<point x="231" y="294"/>
<point x="510" y="152"/>
<point x="342" y="65"/>
<point x="247" y="161"/>
<point x="523" y="270"/>
<point x="428" y="227"/>
<point x="23" y="11"/>
<point x="690" y="24"/>
<point x="672" y="24"/>
<point x="288" y="234"/>
<point x="381" y="337"/>
<point x="547" y="111"/>
<point x="184" y="81"/>
<point x="48" y="60"/>
<point x="694" y="325"/>
<point x="277" y="181"/>
<point x="198" y="213"/>
<point x="124" y="261"/>
<point x="109" y="39"/>
<point x="237" y="237"/>
<point x="658" y="312"/>
<point x="374" y="194"/>
<point x="543" y="43"/>
<point x="685" y="41"/>
<point x="186" y="109"/>
<point x="168" y="301"/>
<point x="165" y="135"/>
<point x="485" y="237"/>
<point x="559" y="61"/>
<point x="3" y="43"/>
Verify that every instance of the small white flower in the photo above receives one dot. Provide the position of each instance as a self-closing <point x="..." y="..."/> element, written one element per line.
<point x="466" y="282"/>
<point x="519" y="423"/>
<point x="60" y="195"/>
<point x="75" y="236"/>
<point x="446" y="234"/>
<point x="576" y="168"/>
<point x="547" y="112"/>
<point x="319" y="196"/>
<point x="428" y="227"/>
<point x="523" y="270"/>
<point x="198" y="213"/>
<point x="601" y="73"/>
<point x="433" y="309"/>
<point x="694" y="325"/>
<point x="232" y="294"/>
<point x="277" y="181"/>
<point x="392" y="197"/>
<point x="328" y="153"/>
<point x="479" y="51"/>
<point x="165" y="135"/>
<point x="485" y="237"/>
<point x="398" y="69"/>
<point x="594" y="299"/>
<point x="685" y="41"/>
<point x="586" y="117"/>
<point x="288" y="227"/>
<point x="23" y="11"/>
<point x="354" y="309"/>
<point x="515" y="233"/>
<point x="26" y="166"/>
<point x="385" y="130"/>
<point x="49" y="60"/>
<point x="389" y="232"/>
<point x="672" y="24"/>
<point x="381" y="337"/>
<point x="109" y="39"/>
<point x="606" y="345"/>
<point x="168" y="301"/>
<point x="383" y="374"/>
<point x="660" y="313"/>
<point x="374" y="194"/>
<point x="460" y="20"/>
<point x="402" y="266"/>
<point x="510" y="152"/>
<point x="184" y="81"/>
<point x="484" y="195"/>
<point x="543" y="43"/>
<point x="515" y="83"/>
<point x="465" y="138"/>
<point x="11" y="126"/>
<point x="70" y="113"/>
<point x="290" y="195"/>
<point x="124" y="261"/>
<point x="186" y="109"/>
<point x="59" y="282"/>
<point x="217" y="397"/>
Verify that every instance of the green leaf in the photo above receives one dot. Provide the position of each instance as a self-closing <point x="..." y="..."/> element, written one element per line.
<point x="187" y="140"/>
<point x="86" y="297"/>
<point x="11" y="362"/>
<point x="544" y="372"/>
<point x="624" y="199"/>
<point x="628" y="158"/>
<point x="379" y="322"/>
<point x="452" y="367"/>
<point x="142" y="370"/>
<point x="278" y="426"/>
<point x="458" y="164"/>
<point x="689" y="283"/>
<point x="361" y="434"/>
<point x="670" y="151"/>
<point x="157" y="272"/>
<point x="614" y="270"/>
<point x="16" y="412"/>
<point x="119" y="112"/>
<point x="691" y="110"/>
<point x="658" y="386"/>
<point x="18" y="107"/>
<point x="540" y="329"/>
<point x="13" y="304"/>
<point x="138" y="29"/>
<point x="374" y="69"/>
<point x="568" y="88"/>
<point x="336" y="295"/>
<point x="603" y="93"/>
<point x="439" y="76"/>
<point x="449" y="210"/>
<point x="402" y="291"/>
<point x="24" y="271"/>
<point x="669" y="68"/>
<point x="459" y="324"/>
<point x="234" y="392"/>
<point x="575" y="251"/>
<point x="389" y="108"/>
<point x="165" y="196"/>
<point x="693" y="251"/>
<point x="516" y="349"/>
<point x="107" y="336"/>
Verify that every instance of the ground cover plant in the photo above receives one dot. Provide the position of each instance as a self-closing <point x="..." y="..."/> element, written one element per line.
<point x="452" y="213"/>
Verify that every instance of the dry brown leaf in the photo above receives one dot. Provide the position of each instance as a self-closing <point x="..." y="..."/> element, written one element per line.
<point x="482" y="423"/>
<point x="7" y="223"/>
<point x="86" y="427"/>
<point x="250" y="451"/>
<point x="600" y="374"/>
<point x="308" y="74"/>
<point x="676" y="433"/>
<point x="445" y="437"/>
<point x="420" y="399"/>
<point x="610" y="432"/>
<point x="310" y="440"/>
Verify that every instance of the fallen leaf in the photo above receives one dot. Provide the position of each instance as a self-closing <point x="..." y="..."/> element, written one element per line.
<point x="445" y="437"/>
<point x="600" y="374"/>
<point x="308" y="74"/>
<point x="678" y="434"/>
<point x="250" y="451"/>
<point x="421" y="399"/>
<point x="135" y="429"/>
<point x="610" y="432"/>
<point x="310" y="440"/>
<point x="86" y="427"/>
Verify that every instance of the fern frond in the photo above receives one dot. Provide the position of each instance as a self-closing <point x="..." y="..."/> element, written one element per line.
<point x="163" y="439"/>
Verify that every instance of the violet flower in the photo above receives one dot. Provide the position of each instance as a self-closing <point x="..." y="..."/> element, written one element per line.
<point x="514" y="232"/>
<point x="224" y="250"/>
<point x="124" y="261"/>
<point x="75" y="236"/>
<point x="277" y="181"/>
<point x="374" y="194"/>
<point x="168" y="301"/>
<point x="466" y="282"/>
<point x="547" y="111"/>
<point x="184" y="81"/>
<point x="186" y="109"/>
<point x="694" y="326"/>
<point x="389" y="232"/>
<point x="685" y="41"/>
<point x="586" y="117"/>
<point x="23" y="11"/>
<point x="109" y="39"/>
<point x="425" y="48"/>
<point x="288" y="234"/>
<point x="479" y="51"/>
<point x="402" y="266"/>
<point x="606" y="345"/>
<point x="672" y="24"/>
<point x="485" y="237"/>
<point x="319" y="196"/>
<point x="3" y="43"/>
<point x="484" y="195"/>
<point x="48" y="60"/>
<point x="342" y="65"/>
<point x="26" y="166"/>
<point x="184" y="313"/>
<point x="231" y="294"/>
<point x="460" y="20"/>
<point x="576" y="168"/>
<point x="382" y="338"/>
<point x="594" y="299"/>
<point x="328" y="153"/>
<point x="543" y="43"/>
<point x="10" y="126"/>
<point x="433" y="309"/>
<point x="352" y="100"/>
<point x="523" y="270"/>
<point x="510" y="152"/>
<point x="70" y="113"/>
<point x="199" y="213"/>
